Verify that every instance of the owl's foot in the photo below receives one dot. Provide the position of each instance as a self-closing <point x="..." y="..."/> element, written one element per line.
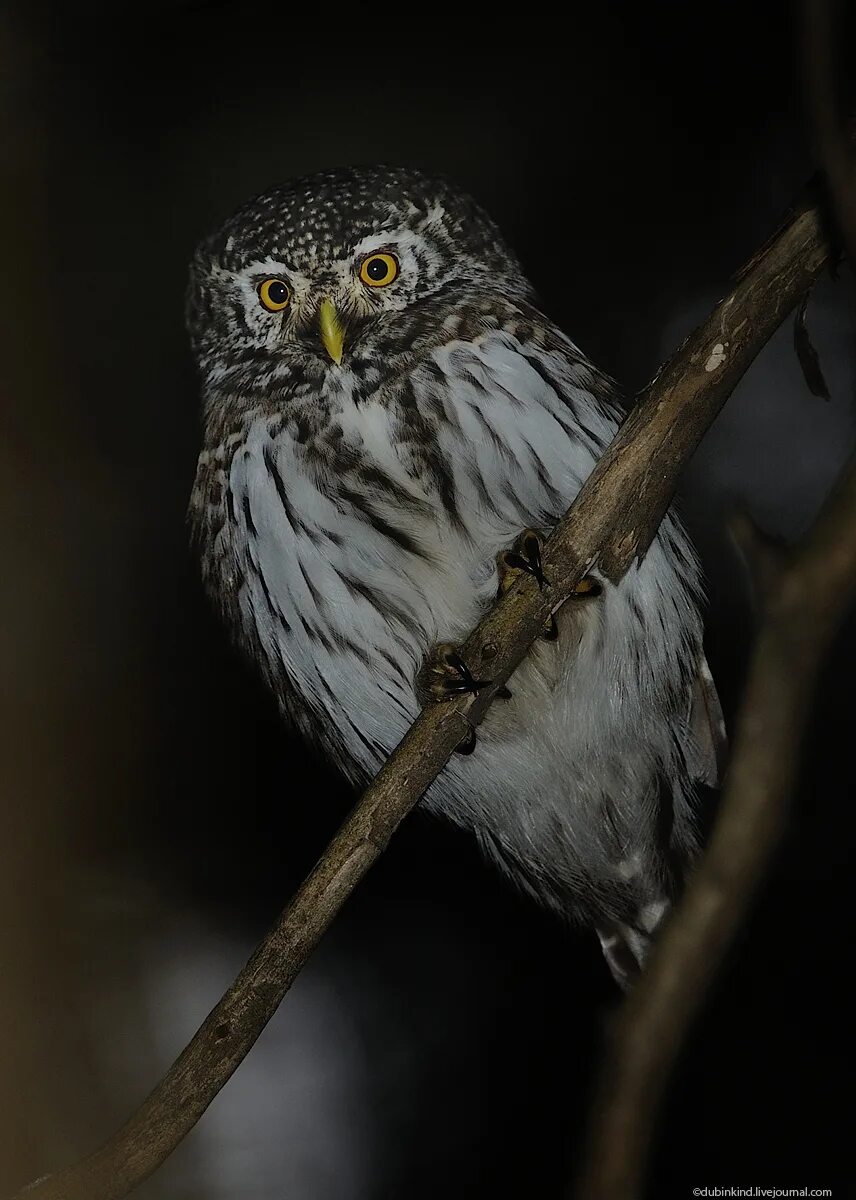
<point x="469" y="742"/>
<point x="524" y="558"/>
<point x="444" y="675"/>
<point x="587" y="588"/>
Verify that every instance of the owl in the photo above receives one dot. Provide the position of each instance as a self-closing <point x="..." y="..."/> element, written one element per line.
<point x="391" y="427"/>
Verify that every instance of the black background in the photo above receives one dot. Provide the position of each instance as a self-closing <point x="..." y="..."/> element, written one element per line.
<point x="443" y="1040"/>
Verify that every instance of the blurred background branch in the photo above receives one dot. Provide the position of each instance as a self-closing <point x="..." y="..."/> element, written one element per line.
<point x="804" y="607"/>
<point x="823" y="45"/>
<point x="805" y="596"/>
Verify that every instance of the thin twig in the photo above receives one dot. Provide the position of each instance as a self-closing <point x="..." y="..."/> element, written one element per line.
<point x="611" y="523"/>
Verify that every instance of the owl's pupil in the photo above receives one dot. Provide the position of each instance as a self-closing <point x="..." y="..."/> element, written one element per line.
<point x="377" y="270"/>
<point x="278" y="292"/>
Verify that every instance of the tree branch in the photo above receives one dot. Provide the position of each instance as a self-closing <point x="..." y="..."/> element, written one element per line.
<point x="655" y="1017"/>
<point x="653" y="1022"/>
<point x="611" y="523"/>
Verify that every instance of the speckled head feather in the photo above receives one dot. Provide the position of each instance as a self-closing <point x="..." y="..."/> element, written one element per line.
<point x="312" y="230"/>
<point x="319" y="217"/>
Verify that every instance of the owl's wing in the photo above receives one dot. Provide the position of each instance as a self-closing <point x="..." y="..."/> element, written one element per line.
<point x="520" y="423"/>
<point x="528" y="416"/>
<point x="708" y="743"/>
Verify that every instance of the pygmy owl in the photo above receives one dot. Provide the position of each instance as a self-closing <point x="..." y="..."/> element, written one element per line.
<point x="390" y="426"/>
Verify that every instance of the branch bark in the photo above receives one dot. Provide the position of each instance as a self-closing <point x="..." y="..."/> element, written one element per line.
<point x="611" y="524"/>
<point x="653" y="1021"/>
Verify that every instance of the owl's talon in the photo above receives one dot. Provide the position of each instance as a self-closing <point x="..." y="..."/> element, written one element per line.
<point x="445" y="675"/>
<point x="503" y="693"/>
<point x="468" y="742"/>
<point x="523" y="557"/>
<point x="587" y="588"/>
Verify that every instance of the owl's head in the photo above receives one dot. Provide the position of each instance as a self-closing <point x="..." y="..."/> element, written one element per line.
<point x="338" y="270"/>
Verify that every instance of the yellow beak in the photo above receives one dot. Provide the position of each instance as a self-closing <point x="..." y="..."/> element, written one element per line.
<point x="332" y="333"/>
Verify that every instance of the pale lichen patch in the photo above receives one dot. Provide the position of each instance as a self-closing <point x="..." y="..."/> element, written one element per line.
<point x="717" y="357"/>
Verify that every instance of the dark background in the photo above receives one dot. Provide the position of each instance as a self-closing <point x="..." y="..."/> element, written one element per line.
<point x="155" y="815"/>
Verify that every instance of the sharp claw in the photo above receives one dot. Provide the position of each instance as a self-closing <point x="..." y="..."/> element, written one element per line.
<point x="588" y="586"/>
<point x="551" y="630"/>
<point x="586" y="589"/>
<point x="526" y="556"/>
<point x="532" y="546"/>
<point x="468" y="743"/>
<point x="466" y="683"/>
<point x="503" y="693"/>
<point x="532" y="566"/>
<point x="445" y="675"/>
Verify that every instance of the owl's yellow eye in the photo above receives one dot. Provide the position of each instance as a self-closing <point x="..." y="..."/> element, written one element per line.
<point x="274" y="295"/>
<point x="377" y="270"/>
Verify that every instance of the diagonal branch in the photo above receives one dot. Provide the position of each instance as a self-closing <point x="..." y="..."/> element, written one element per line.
<point x="611" y="523"/>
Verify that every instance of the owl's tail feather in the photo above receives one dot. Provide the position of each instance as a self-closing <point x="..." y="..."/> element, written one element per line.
<point x="626" y="945"/>
<point x="626" y="930"/>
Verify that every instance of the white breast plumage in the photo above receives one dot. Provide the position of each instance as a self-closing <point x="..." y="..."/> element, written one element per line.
<point x="353" y="569"/>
